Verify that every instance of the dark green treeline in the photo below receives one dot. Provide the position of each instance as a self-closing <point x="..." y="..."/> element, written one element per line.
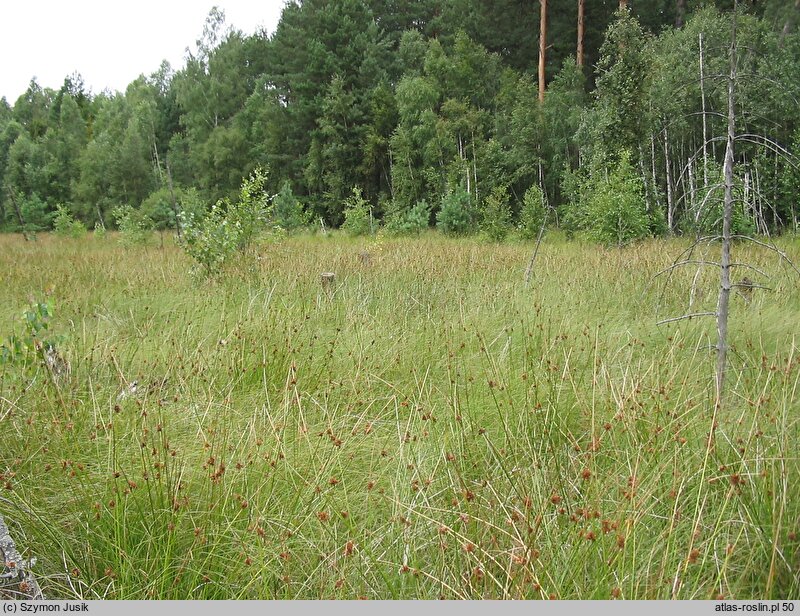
<point x="411" y="100"/>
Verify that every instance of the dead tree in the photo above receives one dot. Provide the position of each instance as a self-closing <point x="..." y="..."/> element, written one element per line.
<point x="723" y="304"/>
<point x="16" y="580"/>
<point x="725" y="263"/>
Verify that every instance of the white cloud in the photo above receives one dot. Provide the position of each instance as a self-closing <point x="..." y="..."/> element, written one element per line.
<point x="109" y="43"/>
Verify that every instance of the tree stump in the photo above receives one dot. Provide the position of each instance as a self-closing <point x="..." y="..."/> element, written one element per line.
<point x="328" y="280"/>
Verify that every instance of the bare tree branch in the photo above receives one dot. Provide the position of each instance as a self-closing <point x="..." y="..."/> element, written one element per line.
<point x="687" y="316"/>
<point x="771" y="247"/>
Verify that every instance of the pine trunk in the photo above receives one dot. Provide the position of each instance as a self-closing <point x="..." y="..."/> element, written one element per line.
<point x="581" y="8"/>
<point x="542" y="45"/>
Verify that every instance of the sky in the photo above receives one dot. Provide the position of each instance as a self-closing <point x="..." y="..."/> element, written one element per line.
<point x="111" y="42"/>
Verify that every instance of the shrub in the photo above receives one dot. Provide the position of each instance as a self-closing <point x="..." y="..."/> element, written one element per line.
<point x="210" y="240"/>
<point x="287" y="210"/>
<point x="252" y="213"/>
<point x="497" y="214"/>
<point x="135" y="227"/>
<point x="213" y="238"/>
<point x="35" y="215"/>
<point x="533" y="213"/>
<point x="616" y="211"/>
<point x="99" y="230"/>
<point x="36" y="340"/>
<point x="455" y="216"/>
<point x="65" y="225"/>
<point x="357" y="214"/>
<point x="410" y="222"/>
<point x="160" y="208"/>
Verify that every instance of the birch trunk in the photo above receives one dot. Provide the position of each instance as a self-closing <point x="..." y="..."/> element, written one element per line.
<point x="668" y="169"/>
<point x="705" y="121"/>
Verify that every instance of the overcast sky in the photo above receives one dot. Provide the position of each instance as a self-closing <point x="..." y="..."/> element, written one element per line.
<point x="110" y="42"/>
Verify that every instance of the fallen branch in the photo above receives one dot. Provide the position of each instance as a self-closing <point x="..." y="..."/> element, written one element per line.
<point x="687" y="316"/>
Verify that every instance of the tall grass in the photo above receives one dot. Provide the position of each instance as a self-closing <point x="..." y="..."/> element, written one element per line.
<point x="432" y="428"/>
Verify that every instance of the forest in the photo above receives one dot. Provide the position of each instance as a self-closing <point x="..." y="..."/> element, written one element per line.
<point x="434" y="112"/>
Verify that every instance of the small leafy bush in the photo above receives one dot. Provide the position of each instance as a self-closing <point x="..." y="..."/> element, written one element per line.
<point x="287" y="210"/>
<point x="35" y="214"/>
<point x="357" y="218"/>
<point x="533" y="213"/>
<point x="411" y="222"/>
<point x="251" y="215"/>
<point x="455" y="216"/>
<point x="616" y="211"/>
<point x="65" y="225"/>
<point x="135" y="226"/>
<point x="227" y="228"/>
<point x="28" y="348"/>
<point x="99" y="230"/>
<point x="160" y="208"/>
<point x="497" y="215"/>
<point x="210" y="240"/>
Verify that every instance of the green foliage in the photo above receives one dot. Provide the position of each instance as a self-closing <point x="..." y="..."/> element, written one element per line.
<point x="456" y="215"/>
<point x="706" y="217"/>
<point x="35" y="215"/>
<point x="64" y="225"/>
<point x="619" y="118"/>
<point x="287" y="210"/>
<point x="357" y="214"/>
<point x="533" y="213"/>
<point x="497" y="215"/>
<point x="28" y="348"/>
<point x="211" y="240"/>
<point x="227" y="228"/>
<point x="406" y="99"/>
<point x="615" y="212"/>
<point x="159" y="207"/>
<point x="410" y="222"/>
<point x="252" y="213"/>
<point x="135" y="226"/>
<point x="99" y="230"/>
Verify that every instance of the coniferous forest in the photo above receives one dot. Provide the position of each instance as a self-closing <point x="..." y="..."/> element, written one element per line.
<point x="432" y="112"/>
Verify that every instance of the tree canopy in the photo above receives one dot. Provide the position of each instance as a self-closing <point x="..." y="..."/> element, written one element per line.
<point x="413" y="102"/>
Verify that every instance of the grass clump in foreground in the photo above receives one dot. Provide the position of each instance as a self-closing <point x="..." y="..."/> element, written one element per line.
<point x="430" y="429"/>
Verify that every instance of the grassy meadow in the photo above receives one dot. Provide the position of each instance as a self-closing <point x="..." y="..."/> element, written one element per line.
<point x="430" y="428"/>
